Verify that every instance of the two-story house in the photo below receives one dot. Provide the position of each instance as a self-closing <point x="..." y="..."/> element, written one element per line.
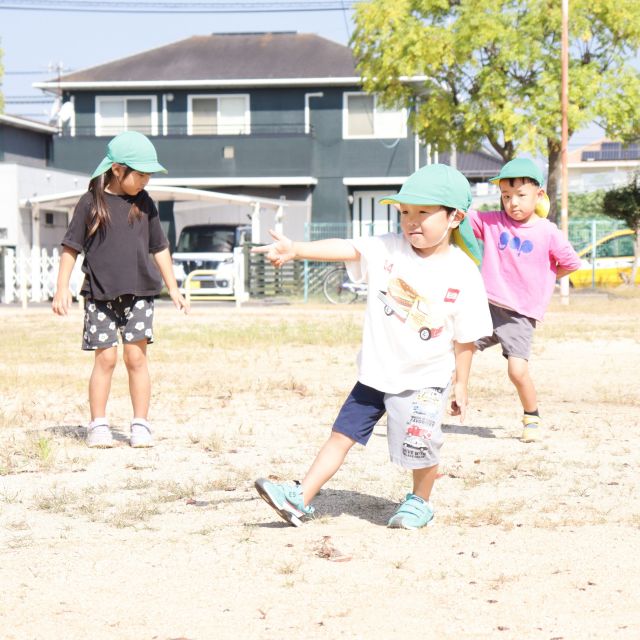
<point x="277" y="115"/>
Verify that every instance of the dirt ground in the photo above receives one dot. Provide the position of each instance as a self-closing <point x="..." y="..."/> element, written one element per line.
<point x="530" y="541"/>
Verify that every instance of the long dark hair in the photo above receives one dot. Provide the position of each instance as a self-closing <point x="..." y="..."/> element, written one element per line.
<point x="100" y="216"/>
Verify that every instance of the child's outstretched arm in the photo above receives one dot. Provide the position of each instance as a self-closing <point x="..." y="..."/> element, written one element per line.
<point x="464" y="355"/>
<point x="163" y="260"/>
<point x="63" y="298"/>
<point x="284" y="249"/>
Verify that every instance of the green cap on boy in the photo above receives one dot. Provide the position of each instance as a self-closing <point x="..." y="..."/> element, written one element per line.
<point x="444" y="185"/>
<point x="520" y="168"/>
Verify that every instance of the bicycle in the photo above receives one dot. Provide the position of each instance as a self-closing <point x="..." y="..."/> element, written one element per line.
<point x="339" y="289"/>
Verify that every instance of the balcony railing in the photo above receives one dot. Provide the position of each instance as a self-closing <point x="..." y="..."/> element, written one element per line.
<point x="279" y="129"/>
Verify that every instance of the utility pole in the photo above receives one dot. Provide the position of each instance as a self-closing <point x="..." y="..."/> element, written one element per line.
<point x="564" y="96"/>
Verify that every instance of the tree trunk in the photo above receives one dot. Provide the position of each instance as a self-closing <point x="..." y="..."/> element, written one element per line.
<point x="553" y="181"/>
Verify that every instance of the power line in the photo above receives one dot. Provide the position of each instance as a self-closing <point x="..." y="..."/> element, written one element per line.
<point x="25" y="73"/>
<point x="80" y="6"/>
<point x="27" y="100"/>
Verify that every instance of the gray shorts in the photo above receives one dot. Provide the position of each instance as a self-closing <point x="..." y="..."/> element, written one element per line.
<point x="414" y="426"/>
<point x="414" y="422"/>
<point x="128" y="315"/>
<point x="512" y="330"/>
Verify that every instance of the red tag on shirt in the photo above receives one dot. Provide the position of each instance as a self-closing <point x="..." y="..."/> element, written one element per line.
<point x="452" y="295"/>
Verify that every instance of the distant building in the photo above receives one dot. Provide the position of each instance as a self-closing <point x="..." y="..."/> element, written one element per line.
<point x="602" y="165"/>
<point x="26" y="172"/>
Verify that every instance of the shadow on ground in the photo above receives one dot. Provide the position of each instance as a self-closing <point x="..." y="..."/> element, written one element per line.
<point x="460" y="429"/>
<point x="336" y="502"/>
<point x="80" y="433"/>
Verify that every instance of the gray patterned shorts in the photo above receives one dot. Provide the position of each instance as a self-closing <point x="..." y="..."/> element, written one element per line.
<point x="103" y="319"/>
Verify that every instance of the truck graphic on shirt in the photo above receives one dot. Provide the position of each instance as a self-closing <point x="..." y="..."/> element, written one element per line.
<point x="411" y="308"/>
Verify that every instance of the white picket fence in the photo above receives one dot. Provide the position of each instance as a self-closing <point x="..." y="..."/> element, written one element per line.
<point x="30" y="276"/>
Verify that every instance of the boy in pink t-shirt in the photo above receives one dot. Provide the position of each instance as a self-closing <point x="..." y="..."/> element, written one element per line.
<point x="524" y="255"/>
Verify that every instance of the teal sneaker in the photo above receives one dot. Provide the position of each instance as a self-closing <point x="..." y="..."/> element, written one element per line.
<point x="285" y="499"/>
<point x="413" y="513"/>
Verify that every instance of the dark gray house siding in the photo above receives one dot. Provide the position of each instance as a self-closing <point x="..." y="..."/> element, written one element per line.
<point x="24" y="147"/>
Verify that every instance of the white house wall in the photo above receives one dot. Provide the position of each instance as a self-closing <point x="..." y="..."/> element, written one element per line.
<point x="18" y="182"/>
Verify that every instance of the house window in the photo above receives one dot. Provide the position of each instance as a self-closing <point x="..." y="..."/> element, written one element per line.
<point x="48" y="219"/>
<point x="218" y="115"/>
<point x="114" y="115"/>
<point x="365" y="118"/>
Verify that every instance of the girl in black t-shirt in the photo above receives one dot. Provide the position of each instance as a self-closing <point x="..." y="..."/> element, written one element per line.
<point x="117" y="227"/>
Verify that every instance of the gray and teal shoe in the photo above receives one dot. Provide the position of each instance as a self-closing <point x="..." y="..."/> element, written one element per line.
<point x="413" y="513"/>
<point x="285" y="499"/>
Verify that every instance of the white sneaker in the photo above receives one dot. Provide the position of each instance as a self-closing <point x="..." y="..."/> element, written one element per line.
<point x="99" y="435"/>
<point x="141" y="434"/>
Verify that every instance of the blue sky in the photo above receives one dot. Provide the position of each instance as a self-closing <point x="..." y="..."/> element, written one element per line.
<point x="34" y="40"/>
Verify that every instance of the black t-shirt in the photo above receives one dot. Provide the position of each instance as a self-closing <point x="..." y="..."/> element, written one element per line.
<point x="116" y="259"/>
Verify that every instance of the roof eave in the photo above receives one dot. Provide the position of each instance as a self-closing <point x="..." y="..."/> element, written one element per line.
<point x="203" y="84"/>
<point x="21" y="123"/>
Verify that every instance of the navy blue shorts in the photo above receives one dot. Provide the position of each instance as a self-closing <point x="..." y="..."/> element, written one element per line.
<point x="360" y="413"/>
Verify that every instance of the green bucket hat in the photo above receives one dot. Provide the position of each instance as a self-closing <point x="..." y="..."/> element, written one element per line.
<point x="520" y="168"/>
<point x="444" y="185"/>
<point x="132" y="149"/>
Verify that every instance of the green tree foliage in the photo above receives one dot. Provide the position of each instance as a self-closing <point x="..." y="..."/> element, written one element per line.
<point x="623" y="203"/>
<point x="587" y="205"/>
<point x="489" y="70"/>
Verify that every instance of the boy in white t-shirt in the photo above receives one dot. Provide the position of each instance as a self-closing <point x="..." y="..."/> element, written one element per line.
<point x="426" y="306"/>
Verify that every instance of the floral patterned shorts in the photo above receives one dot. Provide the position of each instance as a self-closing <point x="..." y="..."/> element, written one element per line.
<point x="130" y="315"/>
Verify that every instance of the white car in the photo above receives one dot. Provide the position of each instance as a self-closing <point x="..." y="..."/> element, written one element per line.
<point x="208" y="247"/>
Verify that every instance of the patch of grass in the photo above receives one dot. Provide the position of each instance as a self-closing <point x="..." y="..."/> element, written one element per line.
<point x="133" y="514"/>
<point x="137" y="484"/>
<point x="171" y="491"/>
<point x="287" y="568"/>
<point x="215" y="442"/>
<point x="9" y="496"/>
<point x="205" y="531"/>
<point x="18" y="525"/>
<point x="20" y="542"/>
<point x="55" y="500"/>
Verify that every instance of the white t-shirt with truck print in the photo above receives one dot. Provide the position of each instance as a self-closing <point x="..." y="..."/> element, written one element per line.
<point x="416" y="308"/>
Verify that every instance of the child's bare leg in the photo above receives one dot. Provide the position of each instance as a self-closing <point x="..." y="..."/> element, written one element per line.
<point x="327" y="462"/>
<point x="518" y="369"/>
<point x="135" y="359"/>
<point x="100" y="381"/>
<point x="423" y="480"/>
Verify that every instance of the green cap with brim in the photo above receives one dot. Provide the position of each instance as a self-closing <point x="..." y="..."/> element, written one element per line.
<point x="133" y="149"/>
<point x="446" y="186"/>
<point x="520" y="168"/>
<point x="434" y="184"/>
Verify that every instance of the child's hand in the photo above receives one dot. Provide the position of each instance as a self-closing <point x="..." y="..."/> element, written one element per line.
<point x="459" y="401"/>
<point x="179" y="301"/>
<point x="278" y="252"/>
<point x="62" y="301"/>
